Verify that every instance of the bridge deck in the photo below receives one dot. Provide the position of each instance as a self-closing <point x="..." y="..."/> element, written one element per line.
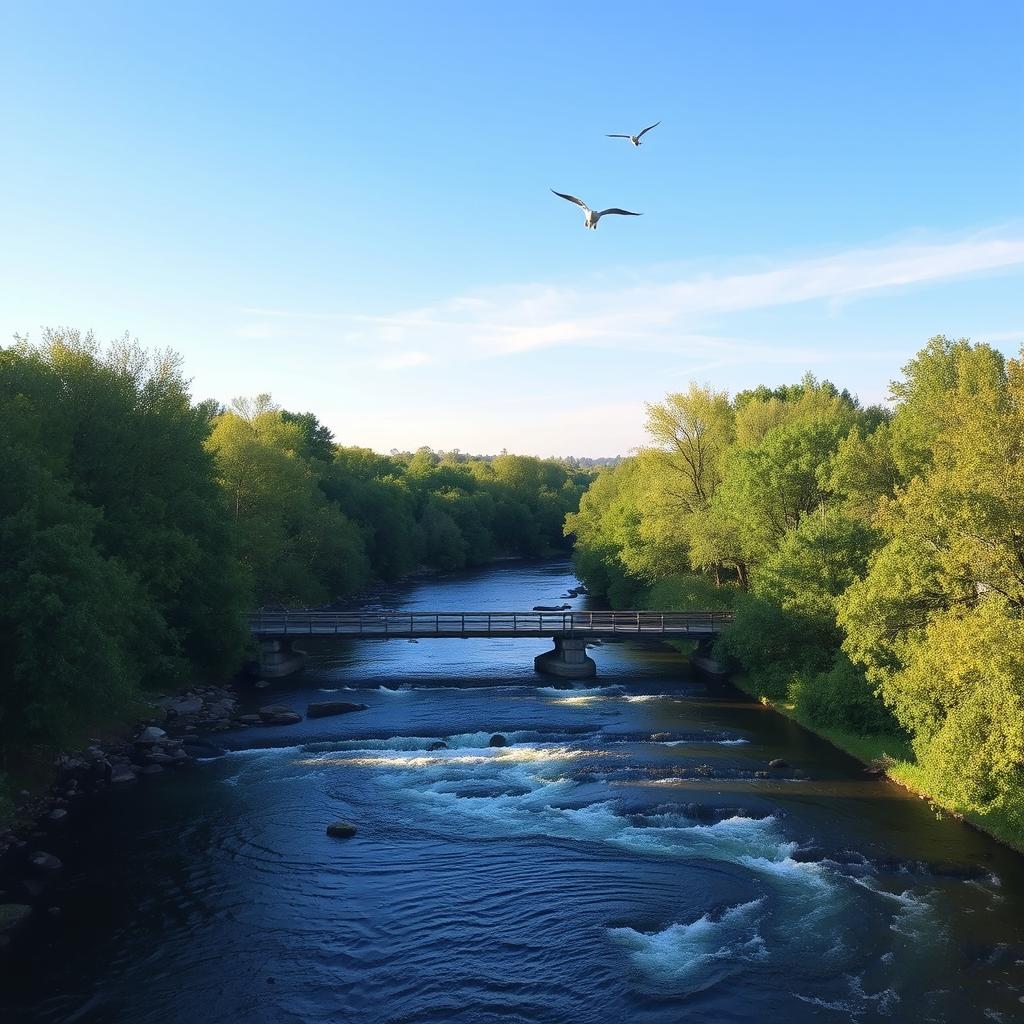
<point x="461" y="625"/>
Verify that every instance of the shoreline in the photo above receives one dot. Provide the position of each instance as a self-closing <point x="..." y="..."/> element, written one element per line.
<point x="897" y="769"/>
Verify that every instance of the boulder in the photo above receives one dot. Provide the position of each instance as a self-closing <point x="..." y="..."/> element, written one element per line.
<point x="13" y="915"/>
<point x="151" y="734"/>
<point x="44" y="861"/>
<point x="325" y="708"/>
<point x="151" y="769"/>
<point x="778" y="763"/>
<point x="438" y="745"/>
<point x="249" y="719"/>
<point x="261" y="684"/>
<point x="186" y="706"/>
<point x="341" y="830"/>
<point x="274" y="709"/>
<point x="57" y="814"/>
<point x="660" y="737"/>
<point x="283" y="718"/>
<point x="194" y="746"/>
<point x="497" y="740"/>
<point x="122" y="773"/>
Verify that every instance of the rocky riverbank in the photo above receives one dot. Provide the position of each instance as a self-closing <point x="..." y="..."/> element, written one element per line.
<point x="174" y="737"/>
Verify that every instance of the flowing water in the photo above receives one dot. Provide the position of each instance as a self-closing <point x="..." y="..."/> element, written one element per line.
<point x="584" y="872"/>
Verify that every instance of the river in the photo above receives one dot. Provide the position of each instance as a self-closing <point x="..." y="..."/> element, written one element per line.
<point x="585" y="872"/>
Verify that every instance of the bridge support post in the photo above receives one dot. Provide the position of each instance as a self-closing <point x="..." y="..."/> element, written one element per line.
<point x="704" y="663"/>
<point x="569" y="659"/>
<point x="277" y="658"/>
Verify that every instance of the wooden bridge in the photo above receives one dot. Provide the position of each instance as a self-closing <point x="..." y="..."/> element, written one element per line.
<point x="570" y="631"/>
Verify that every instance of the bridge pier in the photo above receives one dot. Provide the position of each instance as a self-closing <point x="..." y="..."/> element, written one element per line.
<point x="568" y="660"/>
<point x="703" y="662"/>
<point x="277" y="658"/>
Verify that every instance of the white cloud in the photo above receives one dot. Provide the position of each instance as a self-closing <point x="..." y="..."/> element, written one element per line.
<point x="402" y="361"/>
<point x="670" y="313"/>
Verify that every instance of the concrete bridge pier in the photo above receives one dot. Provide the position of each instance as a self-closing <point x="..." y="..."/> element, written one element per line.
<point x="568" y="660"/>
<point x="703" y="661"/>
<point x="277" y="659"/>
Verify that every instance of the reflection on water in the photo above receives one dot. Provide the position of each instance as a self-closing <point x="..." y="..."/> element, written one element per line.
<point x="626" y="856"/>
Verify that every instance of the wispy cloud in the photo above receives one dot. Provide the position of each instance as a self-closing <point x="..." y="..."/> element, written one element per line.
<point x="402" y="361"/>
<point x="669" y="312"/>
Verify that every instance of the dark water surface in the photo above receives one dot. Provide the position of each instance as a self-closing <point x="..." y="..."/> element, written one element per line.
<point x="584" y="873"/>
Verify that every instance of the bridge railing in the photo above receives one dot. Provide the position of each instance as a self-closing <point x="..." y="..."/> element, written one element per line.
<point x="404" y="624"/>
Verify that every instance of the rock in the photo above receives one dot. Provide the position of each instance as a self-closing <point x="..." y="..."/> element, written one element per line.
<point x="53" y="912"/>
<point x="44" y="861"/>
<point x="187" y="706"/>
<point x="274" y="709"/>
<point x="151" y="769"/>
<point x="760" y="775"/>
<point x="151" y="734"/>
<point x="551" y="607"/>
<point x="278" y="714"/>
<point x="778" y="763"/>
<point x="57" y="814"/>
<point x="497" y="740"/>
<point x="194" y="746"/>
<point x="341" y="830"/>
<point x="122" y="773"/>
<point x="438" y="745"/>
<point x="13" y="915"/>
<point x="261" y="684"/>
<point x="249" y="719"/>
<point x="332" y="707"/>
<point x="660" y="737"/>
<point x="808" y="855"/>
<point x="158" y="757"/>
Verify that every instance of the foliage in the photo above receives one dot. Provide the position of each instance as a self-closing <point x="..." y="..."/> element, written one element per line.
<point x="874" y="559"/>
<point x="137" y="527"/>
<point x="116" y="560"/>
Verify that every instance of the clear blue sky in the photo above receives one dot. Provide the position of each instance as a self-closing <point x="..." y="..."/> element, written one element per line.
<point x="347" y="204"/>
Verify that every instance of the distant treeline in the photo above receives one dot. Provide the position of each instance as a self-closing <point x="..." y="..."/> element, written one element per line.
<point x="874" y="558"/>
<point x="138" y="527"/>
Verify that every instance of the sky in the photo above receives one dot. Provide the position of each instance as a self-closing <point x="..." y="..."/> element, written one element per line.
<point x="348" y="205"/>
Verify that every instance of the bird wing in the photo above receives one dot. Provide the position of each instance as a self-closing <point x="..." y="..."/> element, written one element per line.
<point x="618" y="136"/>
<point x="615" y="209"/>
<point x="646" y="130"/>
<point x="572" y="199"/>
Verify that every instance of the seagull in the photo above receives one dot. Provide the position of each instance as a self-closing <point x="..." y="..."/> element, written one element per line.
<point x="635" y="139"/>
<point x="593" y="216"/>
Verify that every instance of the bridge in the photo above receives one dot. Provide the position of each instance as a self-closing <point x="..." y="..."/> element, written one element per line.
<point x="570" y="631"/>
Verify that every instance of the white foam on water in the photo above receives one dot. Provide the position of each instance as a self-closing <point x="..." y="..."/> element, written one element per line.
<point x="579" y="691"/>
<point x="693" y="956"/>
<point x="913" y="916"/>
<point x="470" y="740"/>
<point x="700" y="743"/>
<point x="858" y="1001"/>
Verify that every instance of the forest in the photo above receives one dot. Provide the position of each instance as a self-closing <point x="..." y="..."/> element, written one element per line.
<point x="873" y="559"/>
<point x="138" y="527"/>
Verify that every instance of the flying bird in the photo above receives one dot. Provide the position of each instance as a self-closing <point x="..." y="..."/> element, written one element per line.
<point x="635" y="139"/>
<point x="593" y="216"/>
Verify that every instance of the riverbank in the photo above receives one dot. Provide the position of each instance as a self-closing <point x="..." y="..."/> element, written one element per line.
<point x="893" y="757"/>
<point x="153" y="737"/>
